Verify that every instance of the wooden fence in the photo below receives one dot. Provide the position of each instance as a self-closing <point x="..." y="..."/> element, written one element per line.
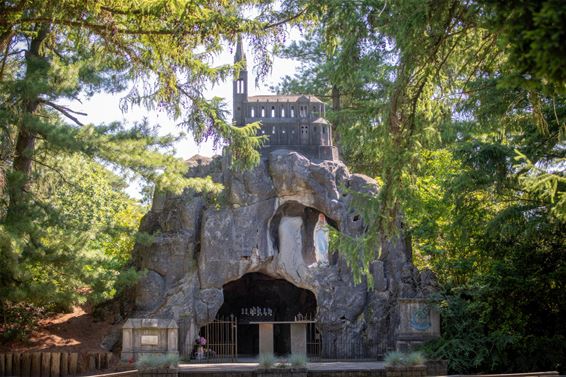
<point x="52" y="364"/>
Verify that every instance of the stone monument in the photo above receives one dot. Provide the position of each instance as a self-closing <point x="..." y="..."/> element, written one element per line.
<point x="264" y="244"/>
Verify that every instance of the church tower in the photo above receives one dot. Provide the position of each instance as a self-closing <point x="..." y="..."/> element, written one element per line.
<point x="240" y="86"/>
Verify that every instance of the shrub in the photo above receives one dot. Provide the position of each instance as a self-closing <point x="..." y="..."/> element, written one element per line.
<point x="147" y="362"/>
<point x="396" y="359"/>
<point x="415" y="358"/>
<point x="298" y="360"/>
<point x="266" y="360"/>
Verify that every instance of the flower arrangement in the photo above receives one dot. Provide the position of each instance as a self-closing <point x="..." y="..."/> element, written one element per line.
<point x="200" y="341"/>
<point x="199" y="351"/>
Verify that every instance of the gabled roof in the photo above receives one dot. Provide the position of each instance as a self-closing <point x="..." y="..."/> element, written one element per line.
<point x="290" y="98"/>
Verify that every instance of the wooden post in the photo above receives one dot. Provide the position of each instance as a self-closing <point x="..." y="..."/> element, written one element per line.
<point x="36" y="364"/>
<point x="12" y="364"/>
<point x="9" y="370"/>
<point x="2" y="365"/>
<point x="73" y="363"/>
<point x="25" y="369"/>
<point x="104" y="361"/>
<point x="91" y="361"/>
<point x="64" y="364"/>
<point x="55" y="364"/>
<point x="45" y="364"/>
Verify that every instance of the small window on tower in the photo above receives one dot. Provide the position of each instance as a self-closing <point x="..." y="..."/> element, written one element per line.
<point x="292" y="111"/>
<point x="252" y="112"/>
<point x="282" y="112"/>
<point x="263" y="112"/>
<point x="273" y="130"/>
<point x="273" y="111"/>
<point x="323" y="130"/>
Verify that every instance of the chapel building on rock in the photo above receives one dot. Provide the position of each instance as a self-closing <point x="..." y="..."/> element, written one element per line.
<point x="293" y="122"/>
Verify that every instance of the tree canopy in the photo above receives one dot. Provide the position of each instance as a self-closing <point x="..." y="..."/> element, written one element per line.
<point x="457" y="109"/>
<point x="65" y="224"/>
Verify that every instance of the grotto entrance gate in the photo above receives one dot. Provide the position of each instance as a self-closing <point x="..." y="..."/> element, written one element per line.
<point x="272" y="315"/>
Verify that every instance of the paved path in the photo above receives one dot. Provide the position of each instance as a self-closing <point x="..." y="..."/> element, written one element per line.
<point x="318" y="366"/>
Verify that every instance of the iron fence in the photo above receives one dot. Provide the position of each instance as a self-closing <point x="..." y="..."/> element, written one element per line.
<point x="221" y="341"/>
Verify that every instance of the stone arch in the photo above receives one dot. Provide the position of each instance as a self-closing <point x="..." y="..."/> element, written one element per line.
<point x="308" y="218"/>
<point x="276" y="299"/>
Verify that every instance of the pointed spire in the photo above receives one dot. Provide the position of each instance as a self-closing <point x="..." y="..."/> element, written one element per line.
<point x="240" y="54"/>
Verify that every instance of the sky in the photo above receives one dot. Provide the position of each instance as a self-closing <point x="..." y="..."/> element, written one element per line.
<point x="104" y="108"/>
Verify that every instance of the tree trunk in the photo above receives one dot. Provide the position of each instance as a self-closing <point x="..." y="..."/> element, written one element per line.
<point x="336" y="107"/>
<point x="25" y="143"/>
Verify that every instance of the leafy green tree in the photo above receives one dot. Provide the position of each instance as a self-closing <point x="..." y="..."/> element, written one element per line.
<point x="441" y="103"/>
<point x="58" y="237"/>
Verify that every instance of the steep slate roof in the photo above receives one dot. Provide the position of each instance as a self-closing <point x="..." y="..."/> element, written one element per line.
<point x="276" y="98"/>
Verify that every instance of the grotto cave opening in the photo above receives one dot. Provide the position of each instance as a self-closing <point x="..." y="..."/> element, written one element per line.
<point x="257" y="298"/>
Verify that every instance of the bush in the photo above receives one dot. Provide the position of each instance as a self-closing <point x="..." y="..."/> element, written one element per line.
<point x="298" y="360"/>
<point x="397" y="359"/>
<point x="266" y="360"/>
<point x="148" y="362"/>
<point x="415" y="358"/>
<point x="19" y="320"/>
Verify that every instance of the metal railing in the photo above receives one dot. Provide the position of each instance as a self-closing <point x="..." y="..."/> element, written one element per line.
<point x="221" y="341"/>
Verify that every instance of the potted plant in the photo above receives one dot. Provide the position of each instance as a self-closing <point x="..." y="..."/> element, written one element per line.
<point x="159" y="365"/>
<point x="399" y="364"/>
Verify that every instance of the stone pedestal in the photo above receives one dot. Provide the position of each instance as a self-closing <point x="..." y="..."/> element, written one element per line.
<point x="299" y="338"/>
<point x="265" y="338"/>
<point x="148" y="336"/>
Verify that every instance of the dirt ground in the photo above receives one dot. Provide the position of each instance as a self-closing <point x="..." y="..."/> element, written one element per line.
<point x="71" y="332"/>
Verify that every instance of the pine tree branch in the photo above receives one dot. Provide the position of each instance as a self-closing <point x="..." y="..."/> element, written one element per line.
<point x="54" y="169"/>
<point x="65" y="111"/>
<point x="285" y="20"/>
<point x="100" y="28"/>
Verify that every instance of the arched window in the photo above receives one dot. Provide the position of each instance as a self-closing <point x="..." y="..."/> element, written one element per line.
<point x="240" y="86"/>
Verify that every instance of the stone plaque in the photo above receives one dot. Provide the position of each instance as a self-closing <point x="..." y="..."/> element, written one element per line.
<point x="418" y="319"/>
<point x="149" y="340"/>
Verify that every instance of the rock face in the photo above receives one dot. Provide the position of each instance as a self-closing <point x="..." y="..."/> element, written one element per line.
<point x="264" y="223"/>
